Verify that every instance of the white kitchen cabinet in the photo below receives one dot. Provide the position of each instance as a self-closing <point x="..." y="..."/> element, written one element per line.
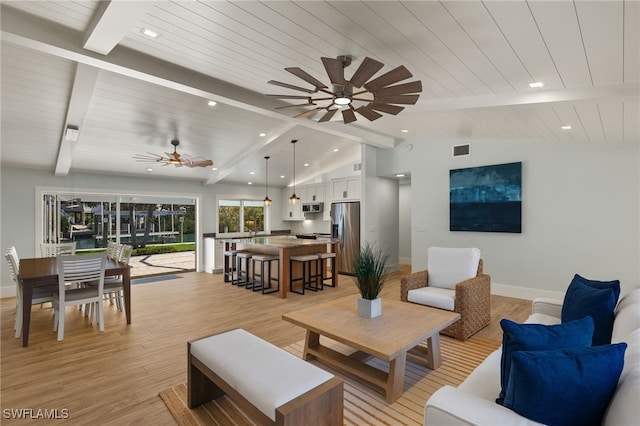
<point x="347" y="189"/>
<point x="315" y="193"/>
<point x="326" y="211"/>
<point x="291" y="212"/>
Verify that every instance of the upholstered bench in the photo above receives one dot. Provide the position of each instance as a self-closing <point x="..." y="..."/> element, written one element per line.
<point x="268" y="383"/>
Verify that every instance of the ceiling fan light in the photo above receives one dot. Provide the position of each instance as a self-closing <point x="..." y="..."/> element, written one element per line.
<point x="342" y="100"/>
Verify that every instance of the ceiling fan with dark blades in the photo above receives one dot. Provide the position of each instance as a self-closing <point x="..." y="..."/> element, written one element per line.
<point x="361" y="94"/>
<point x="175" y="158"/>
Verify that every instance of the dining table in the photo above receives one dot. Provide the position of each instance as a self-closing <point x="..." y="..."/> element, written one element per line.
<point x="43" y="271"/>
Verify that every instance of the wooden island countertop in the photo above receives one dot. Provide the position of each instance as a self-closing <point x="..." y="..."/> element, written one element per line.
<point x="285" y="247"/>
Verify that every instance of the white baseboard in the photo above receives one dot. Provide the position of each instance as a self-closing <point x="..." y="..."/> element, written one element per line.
<point x="523" y="292"/>
<point x="8" y="291"/>
<point x="404" y="260"/>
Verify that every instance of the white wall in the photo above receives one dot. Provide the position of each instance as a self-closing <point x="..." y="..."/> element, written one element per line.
<point x="17" y="204"/>
<point x="404" y="228"/>
<point x="580" y="211"/>
<point x="379" y="207"/>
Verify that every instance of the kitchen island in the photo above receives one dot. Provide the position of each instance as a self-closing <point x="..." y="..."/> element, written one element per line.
<point x="285" y="247"/>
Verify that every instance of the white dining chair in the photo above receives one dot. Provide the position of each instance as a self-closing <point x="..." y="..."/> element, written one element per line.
<point x="88" y="269"/>
<point x="40" y="294"/>
<point x="113" y="285"/>
<point x="57" y="249"/>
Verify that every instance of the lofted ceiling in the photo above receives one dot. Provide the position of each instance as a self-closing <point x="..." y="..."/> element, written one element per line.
<point x="88" y="64"/>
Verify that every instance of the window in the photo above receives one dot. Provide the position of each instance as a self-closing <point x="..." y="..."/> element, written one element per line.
<point x="241" y="216"/>
<point x="92" y="220"/>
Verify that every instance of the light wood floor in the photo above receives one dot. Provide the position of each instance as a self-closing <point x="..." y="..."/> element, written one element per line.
<point x="114" y="377"/>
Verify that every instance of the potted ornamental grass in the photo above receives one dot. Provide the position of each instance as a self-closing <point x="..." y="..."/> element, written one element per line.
<point x="370" y="271"/>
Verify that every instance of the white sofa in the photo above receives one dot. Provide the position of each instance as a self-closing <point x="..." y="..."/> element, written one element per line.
<point x="473" y="402"/>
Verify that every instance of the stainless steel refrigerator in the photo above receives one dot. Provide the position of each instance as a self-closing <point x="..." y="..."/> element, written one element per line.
<point x="345" y="227"/>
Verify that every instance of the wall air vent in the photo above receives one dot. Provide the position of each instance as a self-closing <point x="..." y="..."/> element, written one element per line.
<point x="357" y="167"/>
<point x="461" y="150"/>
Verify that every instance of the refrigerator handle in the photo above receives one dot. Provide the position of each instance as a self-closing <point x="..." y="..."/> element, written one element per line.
<point x="341" y="232"/>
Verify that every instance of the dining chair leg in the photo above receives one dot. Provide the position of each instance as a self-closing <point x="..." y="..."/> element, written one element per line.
<point x="60" y="324"/>
<point x="100" y="307"/>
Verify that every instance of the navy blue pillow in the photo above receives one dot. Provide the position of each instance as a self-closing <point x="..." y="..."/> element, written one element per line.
<point x="565" y="386"/>
<point x="538" y="337"/>
<point x="583" y="300"/>
<point x="613" y="284"/>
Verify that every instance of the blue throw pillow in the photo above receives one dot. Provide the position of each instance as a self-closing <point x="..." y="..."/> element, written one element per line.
<point x="538" y="337"/>
<point x="565" y="386"/>
<point x="583" y="300"/>
<point x="601" y="285"/>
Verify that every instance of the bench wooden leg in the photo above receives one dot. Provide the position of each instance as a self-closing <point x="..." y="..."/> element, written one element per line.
<point x="200" y="388"/>
<point x="322" y="405"/>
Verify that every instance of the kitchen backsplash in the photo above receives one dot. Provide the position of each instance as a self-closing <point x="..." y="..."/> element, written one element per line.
<point x="318" y="226"/>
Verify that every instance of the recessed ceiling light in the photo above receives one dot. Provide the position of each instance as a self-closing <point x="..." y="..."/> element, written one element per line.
<point x="335" y="150"/>
<point x="536" y="84"/>
<point x="149" y="33"/>
<point x="400" y="175"/>
<point x="281" y="176"/>
<point x="262" y="135"/>
<point x="249" y="183"/>
<point x="212" y="103"/>
<point x="149" y="169"/>
<point x="566" y="127"/>
<point x="306" y="164"/>
<point x="214" y="168"/>
<point x="252" y="173"/>
<point x="404" y="131"/>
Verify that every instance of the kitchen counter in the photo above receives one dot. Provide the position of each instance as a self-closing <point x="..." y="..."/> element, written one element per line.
<point x="284" y="247"/>
<point x="279" y="241"/>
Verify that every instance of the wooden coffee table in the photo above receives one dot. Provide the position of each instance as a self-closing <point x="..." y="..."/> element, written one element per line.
<point x="391" y="337"/>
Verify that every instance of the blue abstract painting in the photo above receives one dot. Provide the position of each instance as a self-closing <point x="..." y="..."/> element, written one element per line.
<point x="486" y="199"/>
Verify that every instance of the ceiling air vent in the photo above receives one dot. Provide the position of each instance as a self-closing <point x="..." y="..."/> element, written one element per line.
<point x="461" y="150"/>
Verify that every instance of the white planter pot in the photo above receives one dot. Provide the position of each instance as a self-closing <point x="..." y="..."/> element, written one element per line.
<point x="369" y="308"/>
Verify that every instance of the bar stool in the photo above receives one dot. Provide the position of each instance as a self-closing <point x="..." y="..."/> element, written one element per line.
<point x="242" y="274"/>
<point x="307" y="277"/>
<point x="322" y="258"/>
<point x="260" y="280"/>
<point x="230" y="259"/>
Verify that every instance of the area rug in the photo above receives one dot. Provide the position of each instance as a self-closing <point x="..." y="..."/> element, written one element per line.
<point x="363" y="405"/>
<point x="153" y="278"/>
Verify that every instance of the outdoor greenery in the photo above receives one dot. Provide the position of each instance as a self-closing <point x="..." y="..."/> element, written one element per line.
<point x="370" y="270"/>
<point x="229" y="214"/>
<point x="163" y="248"/>
<point x="153" y="249"/>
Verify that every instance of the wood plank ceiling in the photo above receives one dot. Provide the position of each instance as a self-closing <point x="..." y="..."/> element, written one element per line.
<point x="88" y="64"/>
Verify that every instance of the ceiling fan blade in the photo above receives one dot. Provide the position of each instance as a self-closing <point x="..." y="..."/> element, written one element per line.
<point x="198" y="163"/>
<point x="398" y="99"/>
<point x="400" y="89"/>
<point x="291" y="86"/>
<point x="368" y="113"/>
<point x="289" y="97"/>
<point x="298" y="72"/>
<point x="329" y="115"/>
<point x="395" y="75"/>
<point x="296" y="105"/>
<point x="309" y="113"/>
<point x="389" y="109"/>
<point x="365" y="71"/>
<point x="151" y="158"/>
<point x="335" y="70"/>
<point x="348" y="115"/>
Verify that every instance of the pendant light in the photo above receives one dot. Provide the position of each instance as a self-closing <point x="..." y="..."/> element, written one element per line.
<point x="294" y="198"/>
<point x="267" y="200"/>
